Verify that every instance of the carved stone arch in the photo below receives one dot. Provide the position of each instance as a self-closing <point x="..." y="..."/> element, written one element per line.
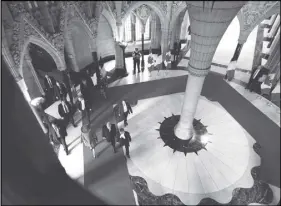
<point x="111" y="21"/>
<point x="252" y="15"/>
<point x="154" y="6"/>
<point x="46" y="46"/>
<point x="177" y="11"/>
<point x="173" y="25"/>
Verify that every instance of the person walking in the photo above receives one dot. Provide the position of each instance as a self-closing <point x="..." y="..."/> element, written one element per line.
<point x="61" y="91"/>
<point x="66" y="112"/>
<point x="50" y="83"/>
<point x="85" y="88"/>
<point x="89" y="138"/>
<point x="136" y="59"/>
<point x="125" y="139"/>
<point x="61" y="133"/>
<point x="125" y="110"/>
<point x="84" y="108"/>
<point x="112" y="134"/>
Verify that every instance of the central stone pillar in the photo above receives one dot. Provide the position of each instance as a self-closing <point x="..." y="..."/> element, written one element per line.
<point x="207" y="28"/>
<point x="155" y="33"/>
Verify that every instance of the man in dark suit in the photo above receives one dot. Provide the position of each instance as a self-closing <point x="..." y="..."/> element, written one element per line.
<point x="61" y="90"/>
<point x="257" y="78"/>
<point x="50" y="84"/>
<point x="83" y="107"/>
<point x="112" y="132"/>
<point x="66" y="112"/>
<point x="136" y="58"/>
<point x="86" y="91"/>
<point x="125" y="109"/>
<point x="61" y="133"/>
<point x="125" y="139"/>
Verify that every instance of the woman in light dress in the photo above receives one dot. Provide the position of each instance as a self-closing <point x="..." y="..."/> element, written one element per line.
<point x="151" y="63"/>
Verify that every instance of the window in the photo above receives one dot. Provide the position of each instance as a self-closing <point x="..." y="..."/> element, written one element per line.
<point x="138" y="30"/>
<point x="147" y="30"/>
<point x="128" y="29"/>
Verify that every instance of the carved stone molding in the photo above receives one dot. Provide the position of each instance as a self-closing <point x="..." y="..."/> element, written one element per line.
<point x="143" y="12"/>
<point x="176" y="5"/>
<point x="164" y="7"/>
<point x="253" y="11"/>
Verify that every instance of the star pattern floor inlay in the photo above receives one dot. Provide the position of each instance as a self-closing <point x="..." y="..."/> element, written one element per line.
<point x="214" y="172"/>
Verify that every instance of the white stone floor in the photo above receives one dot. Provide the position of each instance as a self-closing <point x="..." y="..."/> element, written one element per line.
<point x="213" y="173"/>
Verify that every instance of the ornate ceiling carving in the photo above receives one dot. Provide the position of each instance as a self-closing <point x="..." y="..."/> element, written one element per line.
<point x="28" y="26"/>
<point x="253" y="11"/>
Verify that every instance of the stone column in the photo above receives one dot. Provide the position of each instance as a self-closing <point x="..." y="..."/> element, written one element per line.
<point x="184" y="26"/>
<point x="207" y="29"/>
<point x="23" y="89"/>
<point x="164" y="42"/>
<point x="119" y="62"/>
<point x="230" y="71"/>
<point x="142" y="45"/>
<point x="133" y="26"/>
<point x="176" y="30"/>
<point x="155" y="33"/>
<point x="70" y="51"/>
<point x="34" y="74"/>
<point x="119" y="30"/>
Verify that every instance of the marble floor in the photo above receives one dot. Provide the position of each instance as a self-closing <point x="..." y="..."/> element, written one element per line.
<point x="225" y="164"/>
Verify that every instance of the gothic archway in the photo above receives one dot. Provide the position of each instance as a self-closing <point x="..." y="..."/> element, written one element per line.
<point x="48" y="48"/>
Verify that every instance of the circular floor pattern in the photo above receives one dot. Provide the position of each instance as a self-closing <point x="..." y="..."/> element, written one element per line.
<point x="213" y="172"/>
<point x="185" y="146"/>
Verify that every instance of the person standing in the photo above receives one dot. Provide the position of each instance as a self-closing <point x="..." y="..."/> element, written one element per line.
<point x="50" y="83"/>
<point x="125" y="138"/>
<point x="136" y="59"/>
<point x="61" y="133"/>
<point x="66" y="112"/>
<point x="168" y="60"/>
<point x="85" y="89"/>
<point x="61" y="90"/>
<point x="257" y="78"/>
<point x="84" y="108"/>
<point x="151" y="63"/>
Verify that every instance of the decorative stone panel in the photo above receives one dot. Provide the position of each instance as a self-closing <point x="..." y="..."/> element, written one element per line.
<point x="253" y="11"/>
<point x="143" y="12"/>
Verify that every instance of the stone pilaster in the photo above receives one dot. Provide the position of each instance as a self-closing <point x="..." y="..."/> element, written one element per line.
<point x="274" y="27"/>
<point x="34" y="74"/>
<point x="207" y="28"/>
<point x="276" y="41"/>
<point x="274" y="57"/>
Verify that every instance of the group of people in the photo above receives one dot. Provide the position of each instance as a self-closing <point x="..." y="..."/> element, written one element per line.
<point x="57" y="92"/>
<point x="151" y="61"/>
